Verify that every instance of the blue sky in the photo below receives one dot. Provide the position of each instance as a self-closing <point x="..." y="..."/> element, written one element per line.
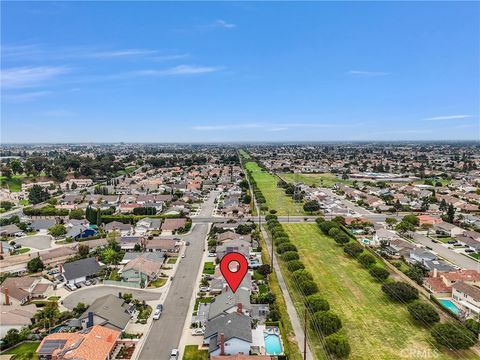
<point x="213" y="72"/>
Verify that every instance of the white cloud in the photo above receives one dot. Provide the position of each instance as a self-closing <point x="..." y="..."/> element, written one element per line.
<point x="278" y="129"/>
<point x="23" y="77"/>
<point x="224" y="24"/>
<point x="363" y="73"/>
<point x="179" y="70"/>
<point x="448" y="117"/>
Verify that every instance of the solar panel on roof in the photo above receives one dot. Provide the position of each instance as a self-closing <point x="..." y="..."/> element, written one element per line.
<point x="50" y="345"/>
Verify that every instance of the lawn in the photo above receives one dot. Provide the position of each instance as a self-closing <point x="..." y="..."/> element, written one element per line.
<point x="157" y="283"/>
<point x="24" y="348"/>
<point x="21" y="251"/>
<point x="192" y="352"/>
<point x="14" y="183"/>
<point x="274" y="195"/>
<point x="376" y="327"/>
<point x="209" y="268"/>
<point x="319" y="180"/>
<point x="172" y="260"/>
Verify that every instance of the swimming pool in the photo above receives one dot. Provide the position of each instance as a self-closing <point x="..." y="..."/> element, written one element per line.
<point x="450" y="306"/>
<point x="273" y="345"/>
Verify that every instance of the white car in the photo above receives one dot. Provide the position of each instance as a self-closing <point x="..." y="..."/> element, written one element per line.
<point x="198" y="332"/>
<point x="212" y="255"/>
<point x="157" y="314"/>
<point x="71" y="287"/>
<point x="174" y="354"/>
<point x="183" y="255"/>
<point x="204" y="289"/>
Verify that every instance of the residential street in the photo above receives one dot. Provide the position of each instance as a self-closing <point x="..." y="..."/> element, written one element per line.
<point x="452" y="256"/>
<point x="166" y="332"/>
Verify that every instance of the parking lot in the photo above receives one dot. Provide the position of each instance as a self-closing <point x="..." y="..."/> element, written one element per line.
<point x="40" y="242"/>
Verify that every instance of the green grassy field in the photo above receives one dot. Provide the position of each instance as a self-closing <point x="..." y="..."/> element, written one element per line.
<point x="376" y="327"/>
<point x="24" y="348"/>
<point x="14" y="183"/>
<point x="275" y="196"/>
<point x="319" y="180"/>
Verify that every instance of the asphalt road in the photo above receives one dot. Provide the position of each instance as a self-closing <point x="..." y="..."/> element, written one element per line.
<point x="445" y="252"/>
<point x="88" y="295"/>
<point x="165" y="333"/>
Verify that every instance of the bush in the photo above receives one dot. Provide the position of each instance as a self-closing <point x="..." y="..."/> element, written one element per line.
<point x="423" y="313"/>
<point x="301" y="275"/>
<point x="473" y="326"/>
<point x="400" y="291"/>
<point x="281" y="240"/>
<point x="366" y="259"/>
<point x="295" y="265"/>
<point x="337" y="345"/>
<point x="326" y="321"/>
<point x="286" y="247"/>
<point x="316" y="303"/>
<point x="308" y="287"/>
<point x="35" y="265"/>
<point x="453" y="336"/>
<point x="379" y="273"/>
<point x="341" y="238"/>
<point x="290" y="255"/>
<point x="264" y="269"/>
<point x="334" y="231"/>
<point x="325" y="226"/>
<point x="353" y="249"/>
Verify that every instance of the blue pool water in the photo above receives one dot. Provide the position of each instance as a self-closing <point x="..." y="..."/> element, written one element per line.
<point x="450" y="305"/>
<point x="273" y="345"/>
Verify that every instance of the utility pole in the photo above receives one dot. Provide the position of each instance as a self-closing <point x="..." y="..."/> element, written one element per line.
<point x="305" y="337"/>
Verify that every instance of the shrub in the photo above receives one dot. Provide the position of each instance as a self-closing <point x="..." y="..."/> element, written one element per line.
<point x="453" y="336"/>
<point x="301" y="275"/>
<point x="473" y="326"/>
<point x="316" y="303"/>
<point x="379" y="273"/>
<point x="353" y="249"/>
<point x="264" y="269"/>
<point x="366" y="259"/>
<point x="286" y="247"/>
<point x="337" y="345"/>
<point x="325" y="226"/>
<point x="295" y="265"/>
<point x="308" y="287"/>
<point x="423" y="312"/>
<point x="341" y="238"/>
<point x="290" y="255"/>
<point x="326" y="321"/>
<point x="334" y="231"/>
<point x="400" y="291"/>
<point x="416" y="274"/>
<point x="35" y="265"/>
<point x="281" y="240"/>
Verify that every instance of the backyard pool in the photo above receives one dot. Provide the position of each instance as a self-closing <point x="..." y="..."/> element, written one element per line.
<point x="272" y="344"/>
<point x="450" y="306"/>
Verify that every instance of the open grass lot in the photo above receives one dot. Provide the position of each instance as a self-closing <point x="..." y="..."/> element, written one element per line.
<point x="319" y="180"/>
<point x="192" y="352"/>
<point x="24" y="348"/>
<point x="209" y="268"/>
<point x="275" y="196"/>
<point x="376" y="327"/>
<point x="14" y="183"/>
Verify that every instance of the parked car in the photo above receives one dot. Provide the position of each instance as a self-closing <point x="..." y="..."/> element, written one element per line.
<point x="156" y="314"/>
<point x="212" y="255"/>
<point x="20" y="234"/>
<point x="159" y="307"/>
<point x="183" y="255"/>
<point x="70" y="287"/>
<point x="435" y="241"/>
<point x="204" y="289"/>
<point x="469" y="251"/>
<point x="78" y="285"/>
<point x="88" y="282"/>
<point x="174" y="354"/>
<point x="198" y="332"/>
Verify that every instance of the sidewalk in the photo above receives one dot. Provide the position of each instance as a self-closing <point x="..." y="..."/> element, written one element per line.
<point x="292" y="312"/>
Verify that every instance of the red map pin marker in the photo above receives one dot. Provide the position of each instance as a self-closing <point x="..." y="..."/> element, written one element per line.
<point x="234" y="278"/>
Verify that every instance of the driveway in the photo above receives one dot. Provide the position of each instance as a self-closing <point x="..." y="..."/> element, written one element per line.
<point x="88" y="295"/>
<point x="40" y="242"/>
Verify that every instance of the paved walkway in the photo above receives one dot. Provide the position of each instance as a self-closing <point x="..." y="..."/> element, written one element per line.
<point x="292" y="312"/>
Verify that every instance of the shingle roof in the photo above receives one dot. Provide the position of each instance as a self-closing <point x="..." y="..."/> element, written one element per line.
<point x="227" y="300"/>
<point x="80" y="268"/>
<point x="112" y="309"/>
<point x="232" y="325"/>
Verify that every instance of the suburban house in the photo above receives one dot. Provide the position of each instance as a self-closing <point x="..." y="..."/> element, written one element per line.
<point x="109" y="311"/>
<point x="42" y="225"/>
<point x="80" y="270"/>
<point x="16" y="317"/>
<point x="171" y="225"/>
<point x="447" y="229"/>
<point x="78" y="232"/>
<point x="230" y="235"/>
<point x="10" y="230"/>
<point x="468" y="296"/>
<point x="419" y="256"/>
<point x="158" y="256"/>
<point x="94" y="343"/>
<point x="441" y="284"/>
<point x="383" y="236"/>
<point x="141" y="270"/>
<point x="123" y="229"/>
<point x="19" y="290"/>
<point x="229" y="334"/>
<point x="147" y="224"/>
<point x="57" y="255"/>
<point x="240" y="246"/>
<point x="170" y="246"/>
<point x="128" y="242"/>
<point x="228" y="302"/>
<point x="242" y="357"/>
